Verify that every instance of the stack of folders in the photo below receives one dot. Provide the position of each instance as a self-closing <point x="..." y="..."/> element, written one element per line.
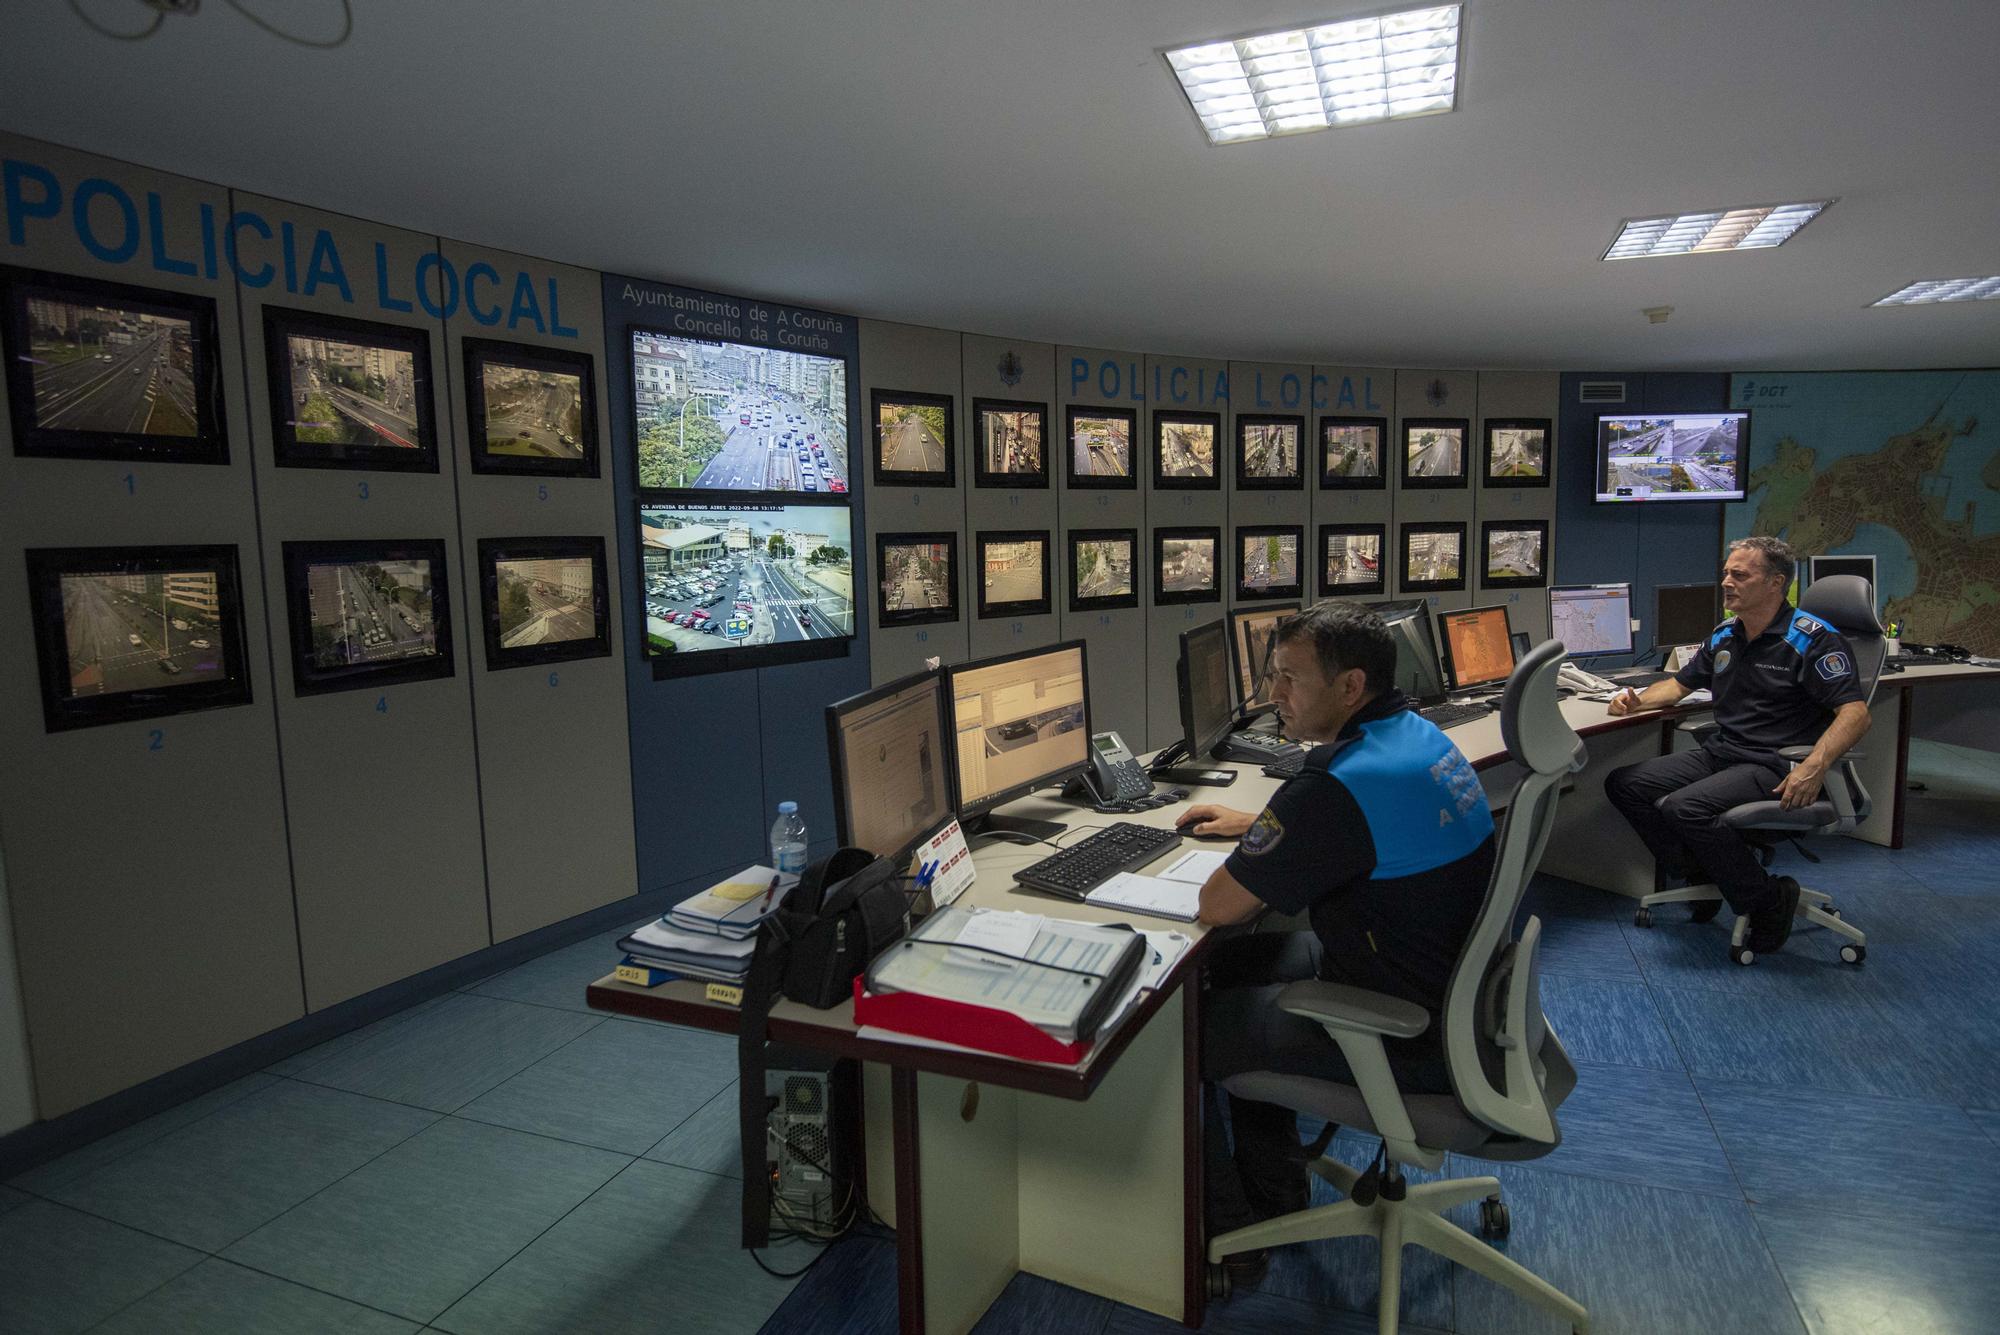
<point x="711" y="935"/>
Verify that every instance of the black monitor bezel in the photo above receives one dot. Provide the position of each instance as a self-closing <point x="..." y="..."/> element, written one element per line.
<point x="925" y="616"/>
<point x="1340" y="482"/>
<point x="1296" y="481"/>
<point x="1407" y="585"/>
<point x="1380" y="584"/>
<point x="1631" y="639"/>
<point x="1446" y="482"/>
<point x="1419" y="610"/>
<point x="1105" y="602"/>
<point x="588" y="547"/>
<point x="209" y="444"/>
<point x="1491" y="479"/>
<point x="1659" y="618"/>
<point x="1162" y="480"/>
<point x="288" y="451"/>
<point x="947" y="476"/>
<point x="1252" y="532"/>
<point x="476" y="353"/>
<point x="1129" y="480"/>
<point x="1162" y="597"/>
<point x="1019" y="607"/>
<point x="310" y="680"/>
<point x="62" y="712"/>
<point x="1443" y="640"/>
<point x="1739" y="492"/>
<point x="968" y="811"/>
<point x="836" y="754"/>
<point x="1487" y="530"/>
<point x="981" y="476"/>
<point x="1236" y="647"/>
<point x="1200" y="748"/>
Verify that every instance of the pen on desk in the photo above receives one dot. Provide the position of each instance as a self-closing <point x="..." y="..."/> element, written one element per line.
<point x="769" y="890"/>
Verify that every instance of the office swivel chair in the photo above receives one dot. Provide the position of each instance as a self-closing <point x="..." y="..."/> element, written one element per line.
<point x="1506" y="1064"/>
<point x="1847" y="603"/>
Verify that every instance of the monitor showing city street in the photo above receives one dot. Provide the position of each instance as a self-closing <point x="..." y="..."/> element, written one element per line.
<point x="1433" y="556"/>
<point x="1691" y="457"/>
<point x="1517" y="453"/>
<point x="348" y="392"/>
<point x="1352" y="558"/>
<point x="1102" y="568"/>
<point x="1267" y="562"/>
<point x="745" y="576"/>
<point x="1515" y="555"/>
<point x="532" y="412"/>
<point x="364" y="613"/>
<point x="1010" y="447"/>
<point x="1185" y="561"/>
<point x="1434" y="452"/>
<point x="100" y="370"/>
<point x="919" y="574"/>
<point x="1100" y="442"/>
<point x="1351" y="451"/>
<point x="913" y="439"/>
<point x="1268" y="451"/>
<point x="734" y="417"/>
<point x="1013" y="573"/>
<point x="545" y="600"/>
<point x="1184" y="453"/>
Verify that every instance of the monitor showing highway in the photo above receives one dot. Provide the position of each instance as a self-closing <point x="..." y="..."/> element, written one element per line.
<point x="546" y="600"/>
<point x="912" y="437"/>
<point x="345" y="393"/>
<point x="532" y="411"/>
<point x="1435" y="451"/>
<point x="732" y="417"/>
<point x="370" y="612"/>
<point x="727" y="576"/>
<point x="1518" y="452"/>
<point x="1101" y="446"/>
<point x="1270" y="561"/>
<point x="132" y="632"/>
<point x="110" y="369"/>
<point x="1695" y="457"/>
<point x="1187" y="565"/>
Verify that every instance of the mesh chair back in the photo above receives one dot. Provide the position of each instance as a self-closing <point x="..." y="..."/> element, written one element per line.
<point x="1847" y="603"/>
<point x="1493" y="1026"/>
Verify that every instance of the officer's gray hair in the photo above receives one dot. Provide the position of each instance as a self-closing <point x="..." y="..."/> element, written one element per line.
<point x="1778" y="557"/>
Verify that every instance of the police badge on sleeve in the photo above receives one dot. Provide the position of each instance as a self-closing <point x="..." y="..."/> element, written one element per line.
<point x="1263" y="834"/>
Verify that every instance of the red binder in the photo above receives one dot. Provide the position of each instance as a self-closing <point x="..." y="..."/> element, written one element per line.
<point x="981" y="1027"/>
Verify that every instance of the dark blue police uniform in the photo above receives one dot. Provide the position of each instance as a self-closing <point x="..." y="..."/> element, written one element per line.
<point x="1780" y="689"/>
<point x="1385" y="841"/>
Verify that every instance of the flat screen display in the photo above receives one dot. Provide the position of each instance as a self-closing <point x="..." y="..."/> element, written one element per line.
<point x="891" y="751"/>
<point x="733" y="417"/>
<point x="1100" y="447"/>
<point x="1685" y="457"/>
<point x="1014" y="574"/>
<point x="366" y="613"/>
<point x="1017" y="723"/>
<point x="1184" y="449"/>
<point x="530" y="410"/>
<point x="1592" y="618"/>
<point x="545" y="600"/>
<point x="1685" y="613"/>
<point x="1103" y="566"/>
<point x="1433" y="557"/>
<point x="1010" y="444"/>
<point x="913" y="439"/>
<point x="1250" y="637"/>
<point x="1478" y="646"/>
<point x="1186" y="561"/>
<point x="919" y="577"/>
<point x="1268" y="562"/>
<point x="1208" y="711"/>
<point x="744" y="576"/>
<point x="1419" y="674"/>
<point x="1351" y="559"/>
<point x="347" y="393"/>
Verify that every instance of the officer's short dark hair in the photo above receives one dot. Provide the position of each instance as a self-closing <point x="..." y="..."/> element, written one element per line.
<point x="1777" y="554"/>
<point x="1345" y="635"/>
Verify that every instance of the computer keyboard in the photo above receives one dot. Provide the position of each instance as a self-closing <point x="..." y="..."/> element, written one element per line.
<point x="1083" y="866"/>
<point x="1287" y="767"/>
<point x="1446" y="714"/>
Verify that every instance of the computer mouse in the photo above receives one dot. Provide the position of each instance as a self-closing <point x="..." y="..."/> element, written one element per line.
<point x="1177" y="794"/>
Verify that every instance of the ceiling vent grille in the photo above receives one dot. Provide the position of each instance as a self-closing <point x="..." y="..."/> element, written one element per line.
<point x="1600" y="391"/>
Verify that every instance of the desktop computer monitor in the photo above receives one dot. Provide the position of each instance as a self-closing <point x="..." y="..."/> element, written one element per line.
<point x="891" y="754"/>
<point x="1592" y="618"/>
<point x="1478" y="646"/>
<point x="1817" y="567"/>
<point x="1019" y="722"/>
<point x="1208" y="708"/>
<point x="1685" y="613"/>
<point x="1418" y="673"/>
<point x="1250" y="639"/>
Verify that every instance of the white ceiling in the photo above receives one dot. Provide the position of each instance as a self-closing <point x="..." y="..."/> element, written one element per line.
<point x="1028" y="168"/>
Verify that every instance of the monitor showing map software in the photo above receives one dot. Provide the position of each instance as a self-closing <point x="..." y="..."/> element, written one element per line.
<point x="1680" y="457"/>
<point x="1592" y="618"/>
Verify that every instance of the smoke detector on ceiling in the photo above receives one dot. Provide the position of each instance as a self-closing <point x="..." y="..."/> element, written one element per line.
<point x="1657" y="314"/>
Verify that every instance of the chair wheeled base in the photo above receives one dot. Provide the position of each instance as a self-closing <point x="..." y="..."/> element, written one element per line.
<point x="1704" y="901"/>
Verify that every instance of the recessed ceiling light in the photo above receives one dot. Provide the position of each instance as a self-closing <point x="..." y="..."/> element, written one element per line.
<point x="1345" y="73"/>
<point x="1943" y="289"/>
<point x="1756" y="228"/>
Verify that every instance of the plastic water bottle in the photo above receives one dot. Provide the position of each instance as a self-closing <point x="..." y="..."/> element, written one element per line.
<point x="788" y="843"/>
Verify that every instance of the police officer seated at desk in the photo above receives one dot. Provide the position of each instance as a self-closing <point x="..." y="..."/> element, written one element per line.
<point x="1780" y="678"/>
<point x="1385" y="840"/>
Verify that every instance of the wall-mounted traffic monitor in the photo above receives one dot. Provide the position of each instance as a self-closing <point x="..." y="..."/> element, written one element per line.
<point x="99" y="370"/>
<point x="530" y="409"/>
<point x="1267" y="561"/>
<point x="1515" y="554"/>
<point x="1478" y="646"/>
<point x="1019" y="722"/>
<point x="919" y="578"/>
<point x="545" y="600"/>
<point x="366" y="614"/>
<point x="136" y="632"/>
<point x="1351" y="451"/>
<point x="913" y="438"/>
<point x="1013" y="573"/>
<point x="1184" y="451"/>
<point x="1100" y="446"/>
<point x="1517" y="452"/>
<point x="1434" y="452"/>
<point x="348" y="393"/>
<point x="1010" y="444"/>
<point x="1673" y="457"/>
<point x="1350" y="560"/>
<point x="1591" y="618"/>
<point x="890" y="750"/>
<point x="734" y="417"/>
<point x="1267" y="452"/>
<point x="1433" y="558"/>
<point x="1186" y="565"/>
<point x="1103" y="569"/>
<point x="742" y="583"/>
<point x="1685" y="613"/>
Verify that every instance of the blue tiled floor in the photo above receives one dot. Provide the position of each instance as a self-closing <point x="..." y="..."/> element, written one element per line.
<point x="1801" y="1146"/>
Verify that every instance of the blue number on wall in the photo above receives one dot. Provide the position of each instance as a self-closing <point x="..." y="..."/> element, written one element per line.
<point x="541" y="491"/>
<point x="1103" y="618"/>
<point x="923" y="637"/>
<point x="131" y="484"/>
<point x="1103" y="501"/>
<point x="553" y="679"/>
<point x="361" y="490"/>
<point x="1186" y="501"/>
<point x="916" y="499"/>
<point x="381" y="704"/>
<point x="1014" y="501"/>
<point x="156" y="740"/>
<point x="1014" y="626"/>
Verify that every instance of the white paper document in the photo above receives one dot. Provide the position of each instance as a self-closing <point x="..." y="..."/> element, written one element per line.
<point x="1007" y="934"/>
<point x="1196" y="866"/>
<point x="1167" y="949"/>
<point x="1152" y="895"/>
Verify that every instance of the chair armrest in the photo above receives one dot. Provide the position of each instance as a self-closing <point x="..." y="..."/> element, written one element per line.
<point x="1698" y="728"/>
<point x="1356" y="1009"/>
<point x="1797" y="753"/>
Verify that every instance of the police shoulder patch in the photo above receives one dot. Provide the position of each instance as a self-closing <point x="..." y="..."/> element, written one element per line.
<point x="1833" y="666"/>
<point x="1807" y="624"/>
<point x="1263" y="834"/>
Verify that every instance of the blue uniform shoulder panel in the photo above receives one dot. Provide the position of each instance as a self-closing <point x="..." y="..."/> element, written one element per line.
<point x="1423" y="803"/>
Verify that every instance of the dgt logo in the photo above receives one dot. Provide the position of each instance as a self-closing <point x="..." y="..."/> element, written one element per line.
<point x="1753" y="390"/>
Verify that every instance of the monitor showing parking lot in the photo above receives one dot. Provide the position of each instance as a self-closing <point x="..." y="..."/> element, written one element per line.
<point x="731" y="417"/>
<point x="735" y="576"/>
